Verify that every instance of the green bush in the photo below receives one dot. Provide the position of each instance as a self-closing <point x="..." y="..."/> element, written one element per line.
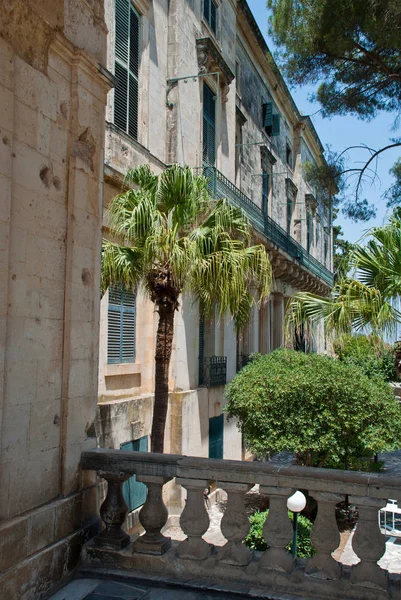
<point x="321" y="408"/>
<point x="368" y="352"/>
<point x="255" y="540"/>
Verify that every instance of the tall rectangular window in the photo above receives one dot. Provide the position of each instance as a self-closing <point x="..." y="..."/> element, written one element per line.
<point x="209" y="126"/>
<point x="265" y="190"/>
<point x="210" y="14"/>
<point x="289" y="213"/>
<point x="121" y="325"/>
<point x="309" y="231"/>
<point x="126" y="67"/>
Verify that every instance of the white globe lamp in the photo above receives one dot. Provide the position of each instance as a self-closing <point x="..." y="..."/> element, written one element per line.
<point x="296" y="503"/>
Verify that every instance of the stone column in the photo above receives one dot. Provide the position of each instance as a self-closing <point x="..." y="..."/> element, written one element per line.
<point x="325" y="537"/>
<point x="277" y="530"/>
<point x="153" y="516"/>
<point x="278" y="320"/>
<point x="235" y="526"/>
<point x="368" y="543"/>
<point x="194" y="520"/>
<point x="264" y="328"/>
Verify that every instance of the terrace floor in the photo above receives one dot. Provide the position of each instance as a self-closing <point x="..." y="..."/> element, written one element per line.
<point x="97" y="589"/>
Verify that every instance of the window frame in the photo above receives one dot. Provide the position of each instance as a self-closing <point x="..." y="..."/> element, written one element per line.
<point x="206" y="8"/>
<point x="210" y="123"/>
<point x="118" y="61"/>
<point x="121" y="309"/>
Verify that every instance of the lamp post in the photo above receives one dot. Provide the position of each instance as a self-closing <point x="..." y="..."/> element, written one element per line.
<point x="296" y="503"/>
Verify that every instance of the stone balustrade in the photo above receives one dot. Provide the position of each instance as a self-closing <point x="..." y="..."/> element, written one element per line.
<point x="233" y="566"/>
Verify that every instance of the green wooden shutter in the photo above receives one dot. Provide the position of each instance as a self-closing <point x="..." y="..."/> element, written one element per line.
<point x="216" y="433"/>
<point x="135" y="491"/>
<point x="267" y="114"/>
<point x="122" y="30"/>
<point x="127" y="56"/>
<point x="206" y="9"/>
<point x="276" y="125"/>
<point x="213" y="16"/>
<point x="209" y="126"/>
<point x="121" y="326"/>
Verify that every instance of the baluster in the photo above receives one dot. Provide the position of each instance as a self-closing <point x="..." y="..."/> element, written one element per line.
<point x="113" y="512"/>
<point x="368" y="543"/>
<point x="153" y="516"/>
<point x="277" y="530"/>
<point x="194" y="520"/>
<point x="325" y="537"/>
<point x="235" y="526"/>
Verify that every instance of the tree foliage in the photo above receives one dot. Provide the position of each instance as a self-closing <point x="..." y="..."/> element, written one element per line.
<point x="354" y="304"/>
<point x="353" y="46"/>
<point x="369" y="352"/>
<point x="314" y="405"/>
<point x="341" y="252"/>
<point x="352" y="49"/>
<point x="255" y="540"/>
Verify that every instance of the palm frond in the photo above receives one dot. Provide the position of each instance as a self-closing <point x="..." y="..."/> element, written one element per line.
<point x="121" y="264"/>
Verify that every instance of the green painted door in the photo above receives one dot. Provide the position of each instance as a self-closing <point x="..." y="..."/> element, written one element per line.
<point x="216" y="430"/>
<point x="134" y="491"/>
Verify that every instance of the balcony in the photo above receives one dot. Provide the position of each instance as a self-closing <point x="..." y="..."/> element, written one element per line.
<point x="213" y="371"/>
<point x="221" y="187"/>
<point x="231" y="566"/>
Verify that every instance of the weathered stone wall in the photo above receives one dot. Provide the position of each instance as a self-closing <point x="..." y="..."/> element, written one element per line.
<point x="51" y="145"/>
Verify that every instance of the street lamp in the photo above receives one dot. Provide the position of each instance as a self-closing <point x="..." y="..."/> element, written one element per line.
<point x="296" y="503"/>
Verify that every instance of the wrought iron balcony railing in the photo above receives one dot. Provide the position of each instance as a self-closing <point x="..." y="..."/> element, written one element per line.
<point x="213" y="371"/>
<point x="221" y="187"/>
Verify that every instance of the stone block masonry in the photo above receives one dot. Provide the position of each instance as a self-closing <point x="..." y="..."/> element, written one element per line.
<point x="52" y="101"/>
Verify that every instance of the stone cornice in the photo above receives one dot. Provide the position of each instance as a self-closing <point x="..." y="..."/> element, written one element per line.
<point x="210" y="60"/>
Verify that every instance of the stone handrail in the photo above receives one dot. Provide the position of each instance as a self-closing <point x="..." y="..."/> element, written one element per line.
<point x="274" y="571"/>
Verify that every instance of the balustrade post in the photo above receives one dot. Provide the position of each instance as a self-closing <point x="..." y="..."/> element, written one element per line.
<point x="368" y="543"/>
<point x="113" y="512"/>
<point x="325" y="537"/>
<point x="153" y="516"/>
<point x="235" y="525"/>
<point x="277" y="530"/>
<point x="194" y="520"/>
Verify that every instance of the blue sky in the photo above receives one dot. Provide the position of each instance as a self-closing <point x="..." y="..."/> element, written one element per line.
<point x="341" y="132"/>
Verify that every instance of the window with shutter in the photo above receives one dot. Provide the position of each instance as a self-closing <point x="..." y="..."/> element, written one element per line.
<point x="209" y="126"/>
<point x="267" y="115"/>
<point x="271" y="121"/>
<point x="276" y="125"/>
<point x="121" y="326"/>
<point x="127" y="58"/>
<point x="210" y="14"/>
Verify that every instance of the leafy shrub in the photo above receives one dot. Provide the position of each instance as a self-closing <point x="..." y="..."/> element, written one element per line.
<point x="255" y="540"/>
<point x="316" y="406"/>
<point x="373" y="356"/>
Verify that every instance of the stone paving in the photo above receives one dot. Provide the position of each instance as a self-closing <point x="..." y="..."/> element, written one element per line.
<point x="96" y="589"/>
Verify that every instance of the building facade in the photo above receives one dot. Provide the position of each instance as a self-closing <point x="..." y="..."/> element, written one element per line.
<point x="197" y="85"/>
<point x="53" y="88"/>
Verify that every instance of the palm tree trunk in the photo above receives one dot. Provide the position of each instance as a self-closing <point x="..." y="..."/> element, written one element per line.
<point x="164" y="344"/>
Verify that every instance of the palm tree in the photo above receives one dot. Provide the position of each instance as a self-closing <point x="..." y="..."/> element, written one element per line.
<point x="168" y="237"/>
<point x="354" y="304"/>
